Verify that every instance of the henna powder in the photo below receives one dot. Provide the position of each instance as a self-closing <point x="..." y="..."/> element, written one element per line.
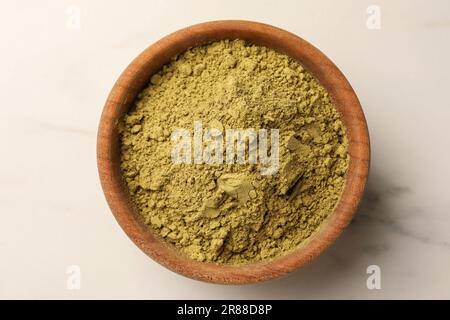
<point x="234" y="212"/>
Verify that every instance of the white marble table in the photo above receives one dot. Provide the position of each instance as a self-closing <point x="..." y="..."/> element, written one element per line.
<point x="56" y="72"/>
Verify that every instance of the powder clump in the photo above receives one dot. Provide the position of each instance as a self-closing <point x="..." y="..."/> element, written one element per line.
<point x="230" y="213"/>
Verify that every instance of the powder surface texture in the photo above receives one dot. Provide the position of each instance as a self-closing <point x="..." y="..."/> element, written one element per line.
<point x="231" y="213"/>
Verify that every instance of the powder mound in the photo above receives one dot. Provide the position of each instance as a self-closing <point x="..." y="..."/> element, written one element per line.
<point x="231" y="213"/>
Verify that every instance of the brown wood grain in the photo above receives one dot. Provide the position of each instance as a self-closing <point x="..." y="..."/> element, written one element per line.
<point x="136" y="76"/>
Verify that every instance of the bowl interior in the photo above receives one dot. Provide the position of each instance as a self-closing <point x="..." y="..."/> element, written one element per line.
<point x="136" y="77"/>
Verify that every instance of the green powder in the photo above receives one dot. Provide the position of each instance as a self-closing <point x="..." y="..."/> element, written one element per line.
<point x="231" y="213"/>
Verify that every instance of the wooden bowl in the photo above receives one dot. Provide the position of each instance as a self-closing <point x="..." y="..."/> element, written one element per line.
<point x="136" y="76"/>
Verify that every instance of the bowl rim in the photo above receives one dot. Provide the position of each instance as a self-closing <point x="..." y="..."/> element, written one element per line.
<point x="137" y="75"/>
